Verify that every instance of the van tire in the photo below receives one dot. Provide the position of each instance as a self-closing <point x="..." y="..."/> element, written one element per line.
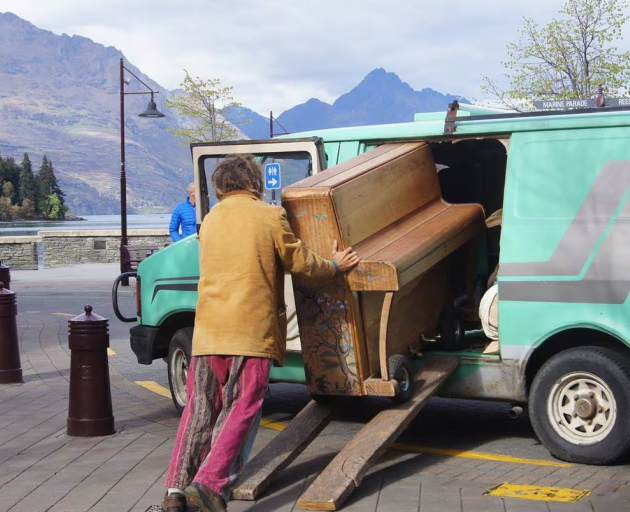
<point x="451" y="329"/>
<point x="399" y="369"/>
<point x="179" y="351"/>
<point x="578" y="386"/>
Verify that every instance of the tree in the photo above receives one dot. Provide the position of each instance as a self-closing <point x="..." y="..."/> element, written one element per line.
<point x="7" y="210"/>
<point x="27" y="210"/>
<point x="50" y="198"/>
<point x="205" y="104"/>
<point x="568" y="58"/>
<point x="7" y="190"/>
<point x="28" y="188"/>
<point x="9" y="173"/>
<point x="54" y="209"/>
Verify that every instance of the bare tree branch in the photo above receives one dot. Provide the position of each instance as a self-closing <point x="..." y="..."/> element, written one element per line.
<point x="568" y="57"/>
<point x="202" y="108"/>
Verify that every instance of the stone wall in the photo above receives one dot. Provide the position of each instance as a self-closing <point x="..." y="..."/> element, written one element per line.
<point x="66" y="248"/>
<point x="19" y="252"/>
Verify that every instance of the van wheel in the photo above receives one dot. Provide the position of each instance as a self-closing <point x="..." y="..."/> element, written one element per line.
<point x="451" y="329"/>
<point x="399" y="369"/>
<point x="580" y="404"/>
<point x="178" y="360"/>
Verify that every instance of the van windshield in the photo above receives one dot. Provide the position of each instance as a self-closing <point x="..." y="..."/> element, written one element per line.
<point x="288" y="168"/>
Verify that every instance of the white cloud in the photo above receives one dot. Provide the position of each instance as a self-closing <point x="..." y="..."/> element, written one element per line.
<point x="278" y="53"/>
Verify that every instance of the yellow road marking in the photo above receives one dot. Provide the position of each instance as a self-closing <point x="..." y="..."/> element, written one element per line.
<point x="155" y="387"/>
<point x="537" y="492"/>
<point x="280" y="425"/>
<point x="277" y="425"/>
<point x="274" y="425"/>
<point x="479" y="455"/>
<point x="110" y="352"/>
<point x="63" y="314"/>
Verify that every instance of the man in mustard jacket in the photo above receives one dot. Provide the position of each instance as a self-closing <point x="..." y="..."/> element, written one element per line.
<point x="240" y="328"/>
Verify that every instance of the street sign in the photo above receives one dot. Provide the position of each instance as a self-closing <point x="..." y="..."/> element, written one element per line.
<point x="272" y="176"/>
<point x="618" y="102"/>
<point x="564" y="104"/>
<point x="587" y="103"/>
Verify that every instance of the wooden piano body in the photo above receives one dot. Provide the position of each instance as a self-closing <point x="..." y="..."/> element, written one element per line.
<point x="387" y="204"/>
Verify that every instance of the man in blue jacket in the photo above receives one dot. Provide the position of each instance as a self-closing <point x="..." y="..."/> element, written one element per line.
<point x="185" y="216"/>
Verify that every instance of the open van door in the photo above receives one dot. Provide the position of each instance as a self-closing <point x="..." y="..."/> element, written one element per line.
<point x="283" y="162"/>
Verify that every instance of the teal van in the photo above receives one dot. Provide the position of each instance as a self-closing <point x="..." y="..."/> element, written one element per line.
<point x="562" y="180"/>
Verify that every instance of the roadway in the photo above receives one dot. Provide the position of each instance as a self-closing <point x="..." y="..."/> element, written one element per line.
<point x="471" y="441"/>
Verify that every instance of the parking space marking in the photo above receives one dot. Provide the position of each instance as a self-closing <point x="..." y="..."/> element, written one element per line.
<point x="110" y="352"/>
<point x="280" y="425"/>
<point x="480" y="455"/>
<point x="155" y="387"/>
<point x="274" y="425"/>
<point x="62" y="314"/>
<point x="538" y="493"/>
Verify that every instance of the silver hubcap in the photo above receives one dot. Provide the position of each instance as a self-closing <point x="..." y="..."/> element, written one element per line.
<point x="179" y="373"/>
<point x="403" y="381"/>
<point x="582" y="408"/>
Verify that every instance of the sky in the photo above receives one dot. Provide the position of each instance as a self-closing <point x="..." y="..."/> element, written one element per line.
<point x="279" y="53"/>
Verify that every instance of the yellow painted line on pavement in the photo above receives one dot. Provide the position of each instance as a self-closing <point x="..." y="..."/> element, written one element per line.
<point x="155" y="387"/>
<point x="63" y="314"/>
<point x="538" y="493"/>
<point x="479" y="455"/>
<point x="280" y="425"/>
<point x="274" y="425"/>
<point x="110" y="352"/>
<point x="277" y="425"/>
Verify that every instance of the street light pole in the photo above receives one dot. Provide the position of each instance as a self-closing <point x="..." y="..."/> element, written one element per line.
<point x="152" y="112"/>
<point x="123" y="175"/>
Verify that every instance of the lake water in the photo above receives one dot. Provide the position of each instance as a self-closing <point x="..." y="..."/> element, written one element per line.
<point x="91" y="222"/>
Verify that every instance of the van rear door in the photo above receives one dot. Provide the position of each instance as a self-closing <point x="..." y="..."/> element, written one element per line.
<point x="284" y="162"/>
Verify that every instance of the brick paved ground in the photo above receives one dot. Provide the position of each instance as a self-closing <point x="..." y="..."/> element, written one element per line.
<point x="41" y="468"/>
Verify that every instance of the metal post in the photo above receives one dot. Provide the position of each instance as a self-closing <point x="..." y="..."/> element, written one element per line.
<point x="271" y="124"/>
<point x="10" y="366"/>
<point x="123" y="175"/>
<point x="5" y="276"/>
<point x="90" y="400"/>
<point x="600" y="100"/>
<point x="151" y="111"/>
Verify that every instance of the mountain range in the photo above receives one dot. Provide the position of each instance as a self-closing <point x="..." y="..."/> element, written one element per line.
<point x="60" y="96"/>
<point x="380" y="98"/>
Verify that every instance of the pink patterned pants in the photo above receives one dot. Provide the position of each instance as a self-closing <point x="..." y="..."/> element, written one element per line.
<point x="217" y="428"/>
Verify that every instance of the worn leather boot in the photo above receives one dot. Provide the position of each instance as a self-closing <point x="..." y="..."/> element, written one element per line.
<point x="206" y="500"/>
<point x="175" y="502"/>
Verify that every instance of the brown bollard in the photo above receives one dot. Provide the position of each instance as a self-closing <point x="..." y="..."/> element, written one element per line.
<point x="90" y="404"/>
<point x="5" y="276"/>
<point x="10" y="367"/>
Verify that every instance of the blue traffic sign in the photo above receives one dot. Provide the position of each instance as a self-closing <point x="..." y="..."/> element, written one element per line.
<point x="272" y="176"/>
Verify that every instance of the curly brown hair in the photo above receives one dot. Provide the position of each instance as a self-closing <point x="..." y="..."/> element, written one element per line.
<point x="240" y="172"/>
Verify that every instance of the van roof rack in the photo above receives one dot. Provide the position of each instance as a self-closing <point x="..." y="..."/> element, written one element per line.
<point x="476" y="113"/>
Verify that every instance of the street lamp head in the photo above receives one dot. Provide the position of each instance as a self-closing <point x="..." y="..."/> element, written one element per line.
<point x="151" y="110"/>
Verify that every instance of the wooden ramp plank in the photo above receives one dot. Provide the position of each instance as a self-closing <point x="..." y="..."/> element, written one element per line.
<point x="345" y="473"/>
<point x="282" y="450"/>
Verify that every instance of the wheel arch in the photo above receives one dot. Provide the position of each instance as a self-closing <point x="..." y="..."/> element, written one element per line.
<point x="170" y="326"/>
<point x="179" y="319"/>
<point x="570" y="338"/>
